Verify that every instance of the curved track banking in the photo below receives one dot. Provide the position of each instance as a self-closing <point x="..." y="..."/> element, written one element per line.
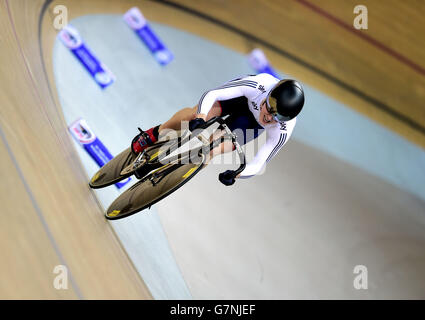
<point x="51" y="217"/>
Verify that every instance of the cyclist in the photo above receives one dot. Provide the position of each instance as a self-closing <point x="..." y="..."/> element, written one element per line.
<point x="257" y="102"/>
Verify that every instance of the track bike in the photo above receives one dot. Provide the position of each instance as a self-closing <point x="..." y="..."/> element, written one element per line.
<point x="163" y="167"/>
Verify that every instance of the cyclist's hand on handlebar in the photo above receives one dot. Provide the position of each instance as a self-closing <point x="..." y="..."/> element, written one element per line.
<point x="196" y="123"/>
<point x="227" y="177"/>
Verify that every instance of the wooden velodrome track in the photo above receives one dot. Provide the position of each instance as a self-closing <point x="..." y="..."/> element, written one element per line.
<point x="51" y="218"/>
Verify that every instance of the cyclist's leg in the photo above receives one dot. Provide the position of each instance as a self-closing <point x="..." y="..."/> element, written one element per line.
<point x="226" y="107"/>
<point x="224" y="147"/>
<point x="169" y="128"/>
<point x="187" y="114"/>
<point x="241" y="121"/>
<point x="174" y="123"/>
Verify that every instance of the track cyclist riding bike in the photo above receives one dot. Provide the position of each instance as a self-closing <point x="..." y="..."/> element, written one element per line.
<point x="254" y="104"/>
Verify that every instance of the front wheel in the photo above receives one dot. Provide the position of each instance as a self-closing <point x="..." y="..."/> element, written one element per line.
<point x="110" y="173"/>
<point x="151" y="189"/>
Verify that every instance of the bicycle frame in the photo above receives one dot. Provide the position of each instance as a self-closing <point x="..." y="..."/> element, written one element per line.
<point x="208" y="145"/>
<point x="167" y="178"/>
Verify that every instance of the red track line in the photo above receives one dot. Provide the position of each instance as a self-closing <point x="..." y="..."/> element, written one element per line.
<point x="364" y="36"/>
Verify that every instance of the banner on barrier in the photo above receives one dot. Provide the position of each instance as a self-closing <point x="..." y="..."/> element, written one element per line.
<point x="137" y="22"/>
<point x="257" y="59"/>
<point x="71" y="38"/>
<point x="95" y="148"/>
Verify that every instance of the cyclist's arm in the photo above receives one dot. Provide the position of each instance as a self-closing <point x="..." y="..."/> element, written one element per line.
<point x="232" y="89"/>
<point x="274" y="142"/>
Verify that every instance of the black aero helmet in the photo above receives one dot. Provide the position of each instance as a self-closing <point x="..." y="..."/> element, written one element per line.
<point x="286" y="100"/>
